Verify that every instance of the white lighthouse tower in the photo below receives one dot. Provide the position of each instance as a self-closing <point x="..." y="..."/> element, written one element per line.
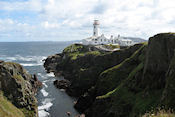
<point x="96" y="28"/>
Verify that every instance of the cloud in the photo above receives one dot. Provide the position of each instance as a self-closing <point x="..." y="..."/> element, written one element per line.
<point x="31" y="5"/>
<point x="48" y="25"/>
<point x="72" y="19"/>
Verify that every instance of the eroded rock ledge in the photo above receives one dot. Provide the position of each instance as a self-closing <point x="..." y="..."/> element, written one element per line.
<point x="18" y="89"/>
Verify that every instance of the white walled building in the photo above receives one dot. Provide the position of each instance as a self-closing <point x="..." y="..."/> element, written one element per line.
<point x="97" y="39"/>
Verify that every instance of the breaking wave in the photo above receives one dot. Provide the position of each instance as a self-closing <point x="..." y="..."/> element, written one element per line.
<point x="25" y="61"/>
<point x="43" y="110"/>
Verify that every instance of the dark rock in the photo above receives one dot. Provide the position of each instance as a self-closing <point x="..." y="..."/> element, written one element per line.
<point x="86" y="100"/>
<point x="68" y="113"/>
<point x="62" y="84"/>
<point x="35" y="83"/>
<point x="51" y="62"/>
<point x="1" y="61"/>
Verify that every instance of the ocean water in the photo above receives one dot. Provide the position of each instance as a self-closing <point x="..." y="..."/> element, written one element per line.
<point x="52" y="102"/>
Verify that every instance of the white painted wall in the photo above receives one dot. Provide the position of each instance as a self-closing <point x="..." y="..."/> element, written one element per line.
<point x="96" y="30"/>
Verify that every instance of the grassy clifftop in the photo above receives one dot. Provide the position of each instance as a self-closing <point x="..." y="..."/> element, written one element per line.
<point x="7" y="109"/>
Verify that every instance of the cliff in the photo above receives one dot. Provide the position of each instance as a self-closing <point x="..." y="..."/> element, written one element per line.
<point x="144" y="88"/>
<point x="17" y="91"/>
<point x="124" y="83"/>
<point x="82" y="64"/>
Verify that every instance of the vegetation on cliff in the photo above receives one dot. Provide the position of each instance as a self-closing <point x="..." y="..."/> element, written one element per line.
<point x="7" y="109"/>
<point x="124" y="83"/>
<point x="18" y="88"/>
<point x="84" y="69"/>
<point x="145" y="87"/>
<point x="159" y="113"/>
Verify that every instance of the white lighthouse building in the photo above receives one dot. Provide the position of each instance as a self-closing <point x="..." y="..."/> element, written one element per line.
<point x="96" y="28"/>
<point x="98" y="39"/>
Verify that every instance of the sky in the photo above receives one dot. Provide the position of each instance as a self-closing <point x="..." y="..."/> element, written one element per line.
<point x="65" y="20"/>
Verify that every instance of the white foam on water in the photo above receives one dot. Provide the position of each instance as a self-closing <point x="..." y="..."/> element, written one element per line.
<point x="44" y="92"/>
<point x="42" y="76"/>
<point x="42" y="58"/>
<point x="43" y="113"/>
<point x="8" y="58"/>
<point x="47" y="100"/>
<point x="46" y="104"/>
<point x="47" y="80"/>
<point x="39" y="74"/>
<point x="30" y="58"/>
<point x="51" y="74"/>
<point x="62" y="90"/>
<point x="37" y="59"/>
<point x="27" y="58"/>
<point x="31" y="64"/>
<point x="45" y="84"/>
<point x="22" y="58"/>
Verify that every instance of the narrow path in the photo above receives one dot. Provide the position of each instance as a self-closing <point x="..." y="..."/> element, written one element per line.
<point x="106" y="49"/>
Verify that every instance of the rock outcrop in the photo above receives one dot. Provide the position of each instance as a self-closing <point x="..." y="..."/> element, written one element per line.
<point x="19" y="88"/>
<point x="62" y="84"/>
<point x="123" y="83"/>
<point x="82" y="64"/>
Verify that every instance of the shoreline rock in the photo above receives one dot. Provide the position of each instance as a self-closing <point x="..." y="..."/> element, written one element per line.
<point x="62" y="84"/>
<point x="19" y="87"/>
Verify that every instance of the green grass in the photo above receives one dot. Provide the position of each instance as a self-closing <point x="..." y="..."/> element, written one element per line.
<point x="28" y="113"/>
<point x="12" y="63"/>
<point x="138" y="68"/>
<point x="110" y="46"/>
<point x="74" y="48"/>
<point x="74" y="56"/>
<point x="7" y="109"/>
<point x="77" y="50"/>
<point x="145" y="43"/>
<point x="93" y="53"/>
<point x="159" y="113"/>
<point x="77" y="54"/>
<point x="112" y="77"/>
<point x="147" y="102"/>
<point x="126" y="98"/>
<point x="18" y="77"/>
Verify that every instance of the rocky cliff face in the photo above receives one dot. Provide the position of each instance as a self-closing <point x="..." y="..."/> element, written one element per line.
<point x="18" y="87"/>
<point x="147" y="86"/>
<point x="82" y="65"/>
<point x="124" y="83"/>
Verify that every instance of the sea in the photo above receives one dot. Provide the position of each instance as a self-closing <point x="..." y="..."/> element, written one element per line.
<point x="52" y="102"/>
